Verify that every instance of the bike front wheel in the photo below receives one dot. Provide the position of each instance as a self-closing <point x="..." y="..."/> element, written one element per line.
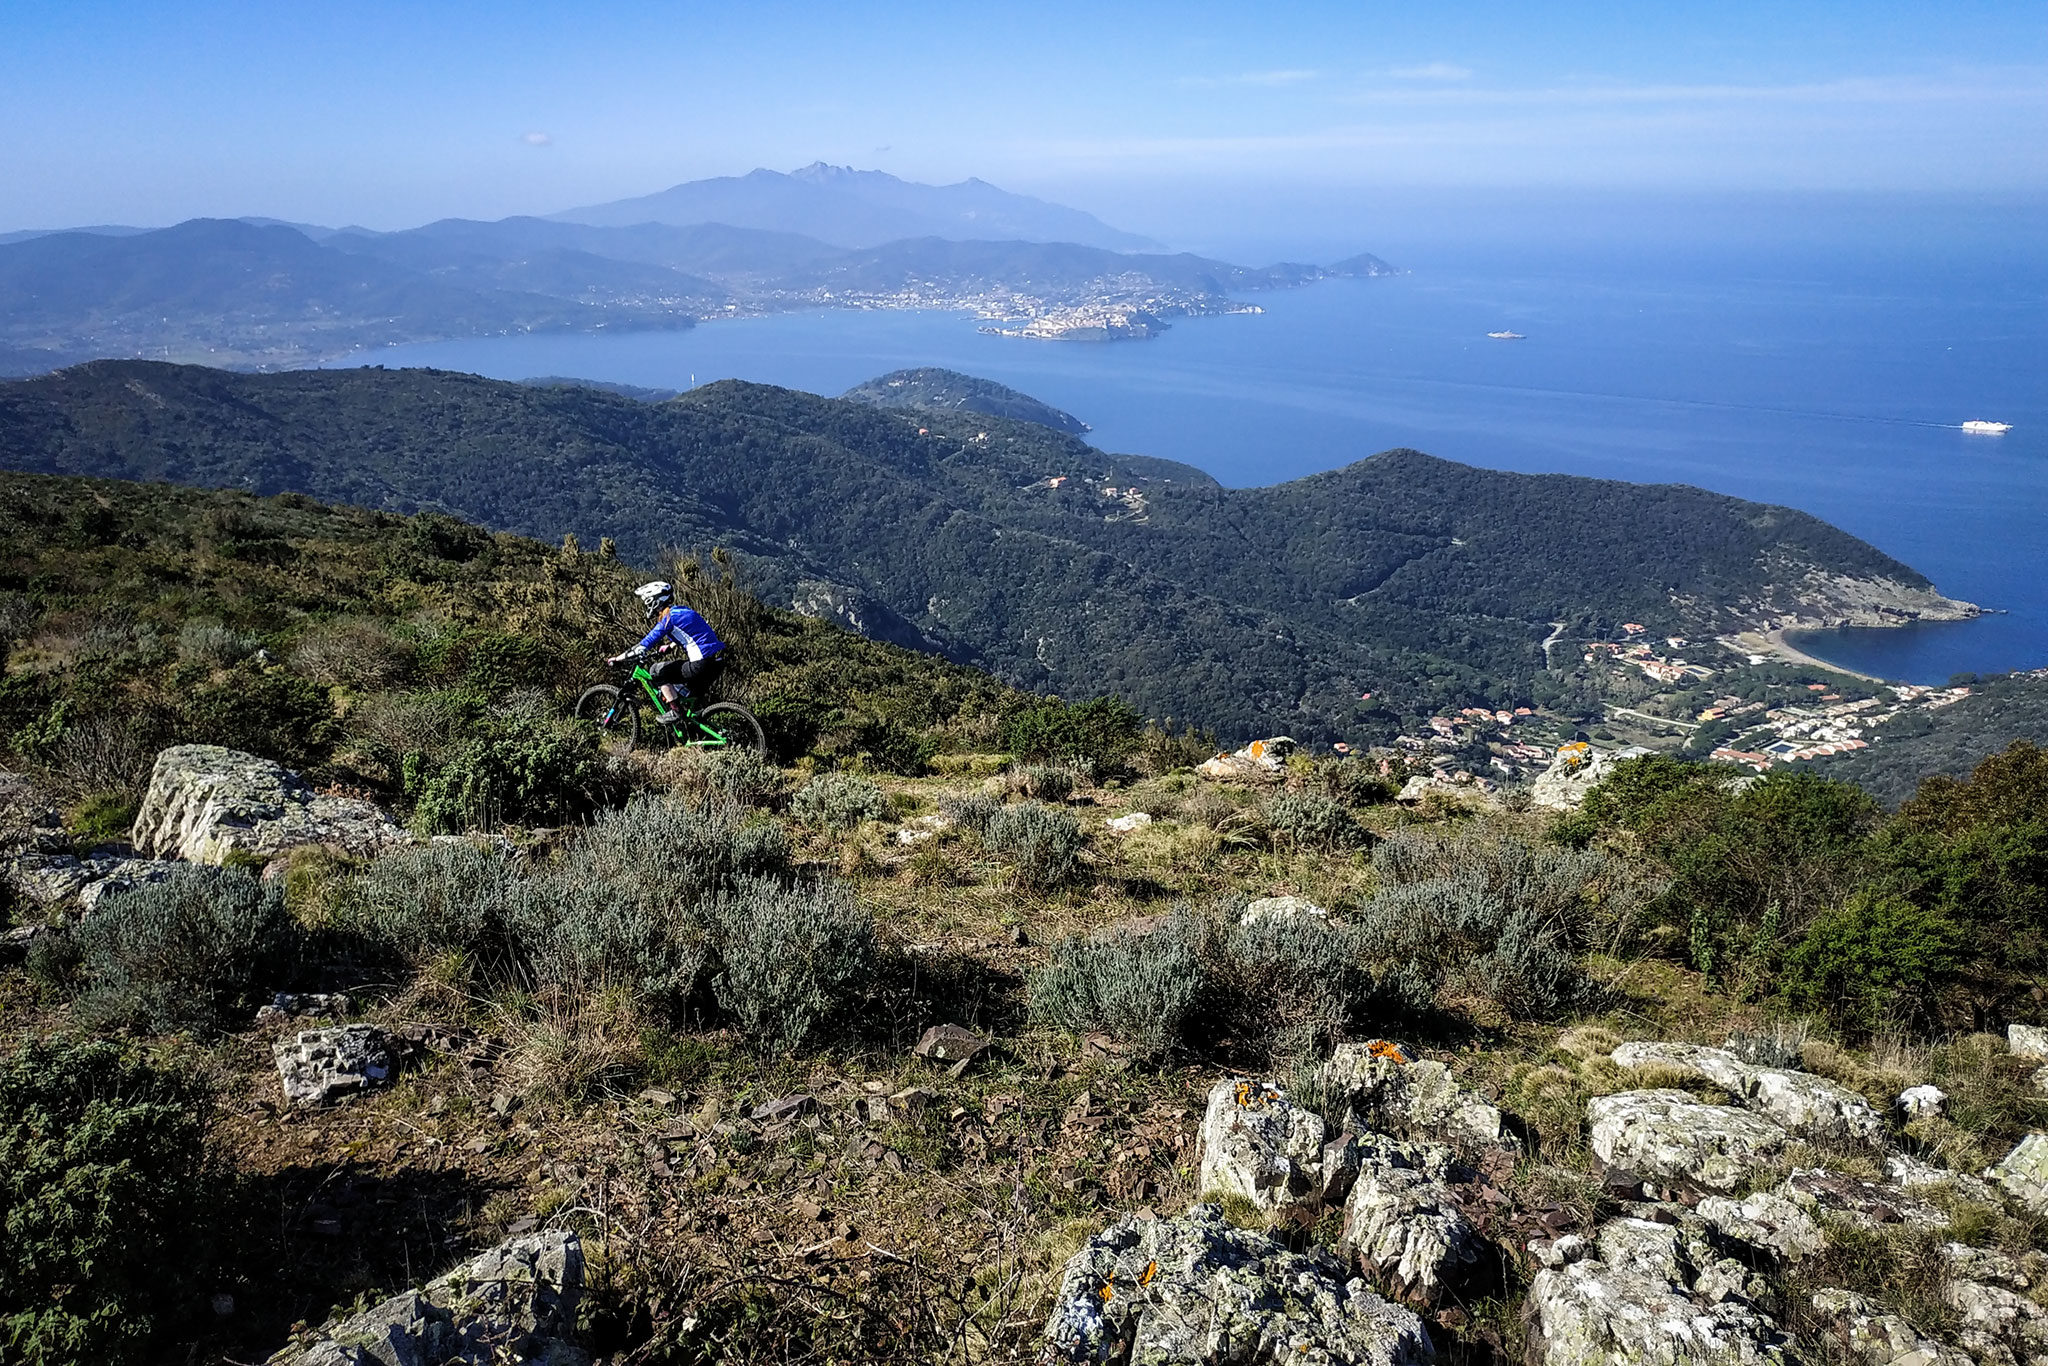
<point x="612" y="714"/>
<point x="734" y="726"/>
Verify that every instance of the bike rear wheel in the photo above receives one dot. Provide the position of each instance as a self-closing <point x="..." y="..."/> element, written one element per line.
<point x="613" y="715"/>
<point x="735" y="726"/>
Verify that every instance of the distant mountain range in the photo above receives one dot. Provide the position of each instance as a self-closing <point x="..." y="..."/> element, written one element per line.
<point x="1007" y="544"/>
<point x="261" y="294"/>
<point x="850" y="208"/>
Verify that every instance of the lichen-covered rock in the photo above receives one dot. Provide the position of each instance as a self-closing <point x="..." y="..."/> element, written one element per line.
<point x="1258" y="1144"/>
<point x="1911" y="1174"/>
<point x="321" y="1065"/>
<point x="1669" y="1138"/>
<point x="1647" y="1299"/>
<point x="1282" y="908"/>
<point x="1922" y="1102"/>
<point x="205" y="803"/>
<point x="1765" y="1220"/>
<point x="2027" y="1041"/>
<point x="1864" y="1203"/>
<point x="1194" y="1290"/>
<point x="1993" y="1267"/>
<point x="50" y="878"/>
<point x="1804" y="1105"/>
<point x="1386" y="1091"/>
<point x="2023" y="1172"/>
<point x="1563" y="785"/>
<point x="1880" y="1338"/>
<point x="514" y="1303"/>
<point x="1998" y="1326"/>
<point x="1261" y="761"/>
<point x="1403" y="1224"/>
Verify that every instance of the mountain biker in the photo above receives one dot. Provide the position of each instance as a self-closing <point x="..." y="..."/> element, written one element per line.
<point x="695" y="656"/>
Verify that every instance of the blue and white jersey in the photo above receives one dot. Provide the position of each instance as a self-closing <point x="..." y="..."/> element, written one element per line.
<point x="682" y="627"/>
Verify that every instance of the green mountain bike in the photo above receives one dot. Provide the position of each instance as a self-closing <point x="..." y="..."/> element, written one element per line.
<point x="614" y="709"/>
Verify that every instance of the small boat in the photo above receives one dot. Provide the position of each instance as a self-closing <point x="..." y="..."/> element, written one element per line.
<point x="1979" y="427"/>
<point x="1507" y="336"/>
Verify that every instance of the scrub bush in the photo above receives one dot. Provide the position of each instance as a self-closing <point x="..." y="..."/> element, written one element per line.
<point x="789" y="956"/>
<point x="196" y="951"/>
<point x="1310" y="820"/>
<point x="107" y="1185"/>
<point x="838" y="801"/>
<point x="511" y="770"/>
<point x="1042" y="843"/>
<point x="1139" y="985"/>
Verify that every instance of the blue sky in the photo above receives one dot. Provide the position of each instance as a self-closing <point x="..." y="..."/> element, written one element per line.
<point x="392" y="114"/>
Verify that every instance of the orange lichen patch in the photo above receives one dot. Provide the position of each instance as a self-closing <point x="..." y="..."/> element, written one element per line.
<point x="1151" y="1270"/>
<point x="1250" y="1094"/>
<point x="1108" y="1292"/>
<point x="1380" y="1048"/>
<point x="1258" y="749"/>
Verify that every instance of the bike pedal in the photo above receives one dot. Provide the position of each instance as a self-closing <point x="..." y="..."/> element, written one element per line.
<point x="669" y="718"/>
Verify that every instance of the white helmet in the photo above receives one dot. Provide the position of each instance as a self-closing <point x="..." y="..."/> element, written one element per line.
<point x="655" y="596"/>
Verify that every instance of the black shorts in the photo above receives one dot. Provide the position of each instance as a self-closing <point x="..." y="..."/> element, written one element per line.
<point x="693" y="676"/>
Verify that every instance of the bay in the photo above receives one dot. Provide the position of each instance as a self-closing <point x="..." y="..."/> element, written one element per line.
<point x="1832" y="388"/>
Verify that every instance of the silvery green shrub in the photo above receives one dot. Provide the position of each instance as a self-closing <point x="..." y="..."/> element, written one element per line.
<point x="1311" y="820"/>
<point x="1139" y="985"/>
<point x="838" y="801"/>
<point x="195" y="951"/>
<point x="789" y="956"/>
<point x="1042" y="843"/>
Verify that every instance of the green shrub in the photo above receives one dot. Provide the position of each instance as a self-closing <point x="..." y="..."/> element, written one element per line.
<point x="1489" y="921"/>
<point x="102" y="818"/>
<point x="1879" y="959"/>
<point x="416" y="904"/>
<point x="1140" y="986"/>
<point x="1309" y="820"/>
<point x="1289" y="984"/>
<point x="1045" y="782"/>
<point x="1042" y="843"/>
<point x="789" y="956"/>
<point x="971" y="812"/>
<point x="1105" y="730"/>
<point x="195" y="951"/>
<point x="513" y="770"/>
<point x="739" y="775"/>
<point x="215" y="645"/>
<point x="263" y="711"/>
<point x="107" y="1186"/>
<point x="1352" y="782"/>
<point x="838" y="801"/>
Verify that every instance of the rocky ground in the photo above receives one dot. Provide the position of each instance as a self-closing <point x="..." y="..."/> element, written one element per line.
<point x="1663" y="1176"/>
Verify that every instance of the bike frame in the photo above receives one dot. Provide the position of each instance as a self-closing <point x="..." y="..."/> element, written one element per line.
<point x="686" y="717"/>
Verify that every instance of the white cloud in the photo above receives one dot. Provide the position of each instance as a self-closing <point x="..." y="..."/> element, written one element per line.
<point x="535" y="139"/>
<point x="1432" y="71"/>
<point x="1290" y="76"/>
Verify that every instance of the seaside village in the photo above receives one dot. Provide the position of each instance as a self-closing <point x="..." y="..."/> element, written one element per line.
<point x="1720" y="699"/>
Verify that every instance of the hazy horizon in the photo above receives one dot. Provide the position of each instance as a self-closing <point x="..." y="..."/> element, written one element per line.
<point x="1322" y="126"/>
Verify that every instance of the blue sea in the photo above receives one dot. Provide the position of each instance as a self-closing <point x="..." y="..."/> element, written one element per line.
<point x="1832" y="381"/>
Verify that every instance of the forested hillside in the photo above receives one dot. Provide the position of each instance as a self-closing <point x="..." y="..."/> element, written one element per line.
<point x="1002" y="544"/>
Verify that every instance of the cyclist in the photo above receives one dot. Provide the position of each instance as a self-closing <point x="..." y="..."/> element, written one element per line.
<point x="695" y="656"/>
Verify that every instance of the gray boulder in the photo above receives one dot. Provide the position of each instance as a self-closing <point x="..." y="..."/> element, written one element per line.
<point x="1563" y="785"/>
<point x="318" y="1066"/>
<point x="2023" y="1172"/>
<point x="1997" y="1325"/>
<point x="1882" y="1339"/>
<point x="2027" y="1041"/>
<point x="1866" y="1204"/>
<point x="1385" y="1090"/>
<point x="514" y="1303"/>
<point x="1911" y="1174"/>
<point x="1402" y="1222"/>
<point x="1804" y="1105"/>
<point x="1669" y="1138"/>
<point x="1282" y="908"/>
<point x="205" y="803"/>
<point x="1765" y="1220"/>
<point x="50" y="878"/>
<point x="1645" y="1293"/>
<point x="1258" y="1144"/>
<point x="1195" y="1291"/>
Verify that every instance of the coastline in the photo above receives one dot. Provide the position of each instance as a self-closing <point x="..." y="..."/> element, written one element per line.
<point x="1774" y="643"/>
